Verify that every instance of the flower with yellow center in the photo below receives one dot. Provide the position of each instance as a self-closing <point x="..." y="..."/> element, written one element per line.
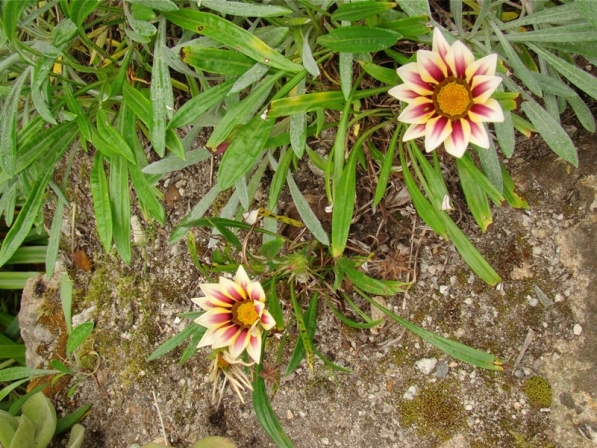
<point x="449" y="96"/>
<point x="232" y="369"/>
<point x="235" y="315"/>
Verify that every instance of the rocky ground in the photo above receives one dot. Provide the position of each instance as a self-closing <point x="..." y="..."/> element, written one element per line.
<point x="542" y="321"/>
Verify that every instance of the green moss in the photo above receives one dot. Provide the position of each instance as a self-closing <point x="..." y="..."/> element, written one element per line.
<point x="435" y="410"/>
<point x="538" y="391"/>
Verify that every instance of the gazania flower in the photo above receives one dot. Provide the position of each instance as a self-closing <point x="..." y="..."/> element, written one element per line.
<point x="235" y="315"/>
<point x="232" y="369"/>
<point x="449" y="96"/>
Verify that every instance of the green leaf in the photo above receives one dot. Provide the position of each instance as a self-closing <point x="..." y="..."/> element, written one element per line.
<point x="244" y="151"/>
<point x="158" y="5"/>
<point x="246" y="9"/>
<point x="466" y="163"/>
<point x="76" y="437"/>
<point x="476" y="198"/>
<point x="569" y="33"/>
<point x="518" y="67"/>
<point x="15" y="280"/>
<point x="79" y="334"/>
<point x="196" y="213"/>
<point x="232" y="35"/>
<point x="306" y="103"/>
<point x="368" y="284"/>
<point x="309" y="323"/>
<point x="101" y="201"/>
<point x="162" y="100"/>
<point x="248" y="105"/>
<point x="583" y="113"/>
<point x="469" y="253"/>
<point x="66" y="299"/>
<point x="113" y="138"/>
<point x="172" y="163"/>
<point x="25" y="434"/>
<point x="175" y="341"/>
<point x="344" y="204"/>
<point x="504" y="132"/>
<point x="382" y="74"/>
<point x="513" y="199"/>
<point x="452" y="348"/>
<point x="575" y="75"/>
<point x="80" y="10"/>
<point x="69" y="420"/>
<point x="265" y="414"/>
<point x="120" y="207"/>
<point x="565" y="13"/>
<point x="42" y="414"/>
<point x="17" y="373"/>
<point x="407" y="27"/>
<point x="305" y="212"/>
<point x="551" y="131"/>
<point x="587" y="11"/>
<point x="11" y="12"/>
<point x="384" y="172"/>
<point x="358" y="39"/>
<point x="491" y="166"/>
<point x="358" y="11"/>
<point x="147" y="195"/>
<point x="216" y="60"/>
<point x="8" y="126"/>
<point x="22" y="225"/>
<point x="12" y="351"/>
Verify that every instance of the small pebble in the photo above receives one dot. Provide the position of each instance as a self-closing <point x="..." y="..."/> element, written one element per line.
<point x="325" y="441"/>
<point x="468" y="407"/>
<point x="519" y="373"/>
<point x="577" y="330"/>
<point x="527" y="371"/>
<point x="410" y="393"/>
<point x="533" y="301"/>
<point x="442" y="369"/>
<point x="426" y="365"/>
<point x="289" y="414"/>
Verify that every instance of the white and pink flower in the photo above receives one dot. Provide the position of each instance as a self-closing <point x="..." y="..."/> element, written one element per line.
<point x="235" y="315"/>
<point x="449" y="96"/>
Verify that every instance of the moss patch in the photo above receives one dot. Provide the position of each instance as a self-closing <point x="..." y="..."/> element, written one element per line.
<point x="538" y="391"/>
<point x="435" y="410"/>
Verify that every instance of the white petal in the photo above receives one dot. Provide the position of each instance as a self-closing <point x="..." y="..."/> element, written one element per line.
<point x="417" y="112"/>
<point x="414" y="131"/>
<point x="459" y="58"/>
<point x="479" y="135"/>
<point x="436" y="132"/>
<point x="440" y="44"/>
<point x="241" y="278"/>
<point x="483" y="87"/>
<point x="403" y="93"/>
<point x="431" y="66"/>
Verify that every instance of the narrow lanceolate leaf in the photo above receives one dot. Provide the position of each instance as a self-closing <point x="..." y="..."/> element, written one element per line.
<point x="101" y="201"/>
<point x="519" y="69"/>
<point x="8" y="127"/>
<point x="216" y="60"/>
<point x="246" y="9"/>
<point x="10" y="15"/>
<point x="198" y="105"/>
<point x="345" y="61"/>
<point x="383" y="74"/>
<point x="359" y="39"/>
<point x="560" y="14"/>
<point x="575" y="75"/>
<point x="307" y="327"/>
<point x="244" y="151"/>
<point x="583" y="113"/>
<point x="358" y="11"/>
<point x="175" y="341"/>
<point x="162" y="100"/>
<point x="570" y="33"/>
<point x="232" y="35"/>
<point x="509" y="191"/>
<point x="408" y="27"/>
<point x="452" y="348"/>
<point x="306" y="214"/>
<point x="39" y="86"/>
<point x="308" y="60"/>
<point x="78" y="336"/>
<point x="306" y="103"/>
<point x="368" y="284"/>
<point x="146" y="194"/>
<point x="265" y="414"/>
<point x="469" y="253"/>
<point x="22" y="225"/>
<point x="466" y="163"/>
<point x="121" y="207"/>
<point x="386" y="168"/>
<point x="116" y="143"/>
<point x="73" y="105"/>
<point x="491" y="166"/>
<point x="344" y="201"/>
<point x="476" y="198"/>
<point x="298" y="125"/>
<point x="54" y="238"/>
<point x="551" y="131"/>
<point x="504" y="132"/>
<point x="79" y="10"/>
<point x="158" y="5"/>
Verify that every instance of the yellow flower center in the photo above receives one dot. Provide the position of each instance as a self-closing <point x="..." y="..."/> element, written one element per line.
<point x="452" y="98"/>
<point x="244" y="314"/>
<point x="222" y="363"/>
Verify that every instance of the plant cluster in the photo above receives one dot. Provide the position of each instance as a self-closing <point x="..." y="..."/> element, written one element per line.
<point x="99" y="78"/>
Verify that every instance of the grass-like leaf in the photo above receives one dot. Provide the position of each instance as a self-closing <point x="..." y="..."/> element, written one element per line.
<point x="78" y="335"/>
<point x="66" y="300"/>
<point x="358" y="39"/>
<point x="101" y="201"/>
<point x="265" y="414"/>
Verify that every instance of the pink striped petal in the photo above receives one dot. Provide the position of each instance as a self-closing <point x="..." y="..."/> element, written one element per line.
<point x="214" y="318"/>
<point x="240" y="343"/>
<point x="267" y="320"/>
<point x="225" y="336"/>
<point x="418" y="112"/>
<point x="232" y="289"/>
<point x="483" y="87"/>
<point x="459" y="58"/>
<point x="241" y="278"/>
<point x="457" y="141"/>
<point x="484" y="66"/>
<point x="254" y="346"/>
<point x="403" y="93"/>
<point x="259" y="307"/>
<point x="409" y="74"/>
<point x="214" y="296"/>
<point x="414" y="131"/>
<point x="479" y="135"/>
<point x="431" y="66"/>
<point x="440" y="44"/>
<point x="436" y="132"/>
<point x="490" y="111"/>
<point x="255" y="292"/>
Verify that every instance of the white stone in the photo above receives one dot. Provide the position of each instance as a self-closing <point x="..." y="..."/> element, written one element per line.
<point x="410" y="393"/>
<point x="426" y="365"/>
<point x="577" y="329"/>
